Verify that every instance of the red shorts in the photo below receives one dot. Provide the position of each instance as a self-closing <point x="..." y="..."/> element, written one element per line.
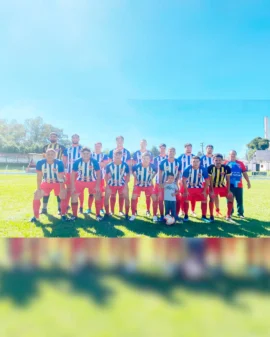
<point x="195" y="194"/>
<point x="149" y="190"/>
<point x="115" y="189"/>
<point x="68" y="178"/>
<point x="221" y="191"/>
<point x="80" y="186"/>
<point x="48" y="187"/>
<point x="157" y="190"/>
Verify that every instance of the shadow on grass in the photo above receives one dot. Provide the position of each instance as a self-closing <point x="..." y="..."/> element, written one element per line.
<point x="92" y="282"/>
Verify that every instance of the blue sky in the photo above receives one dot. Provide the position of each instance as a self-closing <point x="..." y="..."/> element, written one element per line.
<point x="161" y="70"/>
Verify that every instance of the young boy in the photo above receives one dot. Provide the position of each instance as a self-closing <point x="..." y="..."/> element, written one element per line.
<point x="170" y="192"/>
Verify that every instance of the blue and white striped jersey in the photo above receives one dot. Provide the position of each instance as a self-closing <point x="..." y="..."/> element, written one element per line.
<point x="101" y="157"/>
<point x="207" y="161"/>
<point x="157" y="161"/>
<point x="117" y="173"/>
<point x="125" y="155"/>
<point x="185" y="160"/>
<point x="144" y="175"/>
<point x="86" y="171"/>
<point x="72" y="153"/>
<point x="195" y="178"/>
<point x="167" y="167"/>
<point x="137" y="156"/>
<point x="50" y="171"/>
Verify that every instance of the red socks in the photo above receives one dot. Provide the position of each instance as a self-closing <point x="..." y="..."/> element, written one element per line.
<point x="204" y="208"/>
<point x="230" y="208"/>
<point x="98" y="206"/>
<point x="36" y="207"/>
<point x="81" y="197"/>
<point x="134" y="203"/>
<point x="121" y="202"/>
<point x="186" y="207"/>
<point x="193" y="205"/>
<point x="74" y="206"/>
<point x="211" y="208"/>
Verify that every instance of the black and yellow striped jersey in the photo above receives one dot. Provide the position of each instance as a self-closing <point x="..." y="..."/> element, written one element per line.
<point x="218" y="175"/>
<point x="57" y="147"/>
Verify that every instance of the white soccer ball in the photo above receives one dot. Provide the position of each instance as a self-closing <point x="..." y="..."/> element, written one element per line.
<point x="169" y="220"/>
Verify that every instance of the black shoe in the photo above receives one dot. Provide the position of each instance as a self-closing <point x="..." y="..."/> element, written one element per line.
<point x="212" y="219"/>
<point x="64" y="218"/>
<point x="35" y="220"/>
<point x="81" y="210"/>
<point x="127" y="217"/>
<point x="99" y="218"/>
<point x="43" y="211"/>
<point x="204" y="218"/>
<point x="186" y="218"/>
<point x="161" y="218"/>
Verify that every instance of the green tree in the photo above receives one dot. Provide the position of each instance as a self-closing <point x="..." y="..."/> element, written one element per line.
<point x="155" y="151"/>
<point x="257" y="143"/>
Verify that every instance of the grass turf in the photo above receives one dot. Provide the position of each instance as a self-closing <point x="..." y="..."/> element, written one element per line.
<point x="16" y="194"/>
<point x="55" y="303"/>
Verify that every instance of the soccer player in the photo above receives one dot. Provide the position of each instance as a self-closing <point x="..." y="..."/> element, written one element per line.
<point x="59" y="149"/>
<point x="220" y="185"/>
<point x="137" y="159"/>
<point x="206" y="161"/>
<point x="126" y="157"/>
<point x="50" y="176"/>
<point x="70" y="155"/>
<point x="102" y="159"/>
<point x="117" y="179"/>
<point x="238" y="169"/>
<point x="157" y="161"/>
<point x="193" y="188"/>
<point x="144" y="174"/>
<point x="169" y="165"/>
<point x="185" y="160"/>
<point x="89" y="176"/>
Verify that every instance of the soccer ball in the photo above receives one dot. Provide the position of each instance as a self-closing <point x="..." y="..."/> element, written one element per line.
<point x="169" y="220"/>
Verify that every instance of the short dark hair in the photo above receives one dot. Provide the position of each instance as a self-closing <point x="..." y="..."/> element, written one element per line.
<point x="170" y="175"/>
<point x="119" y="137"/>
<point x="54" y="133"/>
<point x="86" y="149"/>
<point x="188" y="144"/>
<point x="210" y="146"/>
<point x="117" y="152"/>
<point x="196" y="157"/>
<point x="163" y="145"/>
<point x="98" y="143"/>
<point x="218" y="155"/>
<point x="75" y="135"/>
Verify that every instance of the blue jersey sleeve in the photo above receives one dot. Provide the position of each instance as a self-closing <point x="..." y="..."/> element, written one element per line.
<point x="205" y="174"/>
<point x="154" y="168"/>
<point x="96" y="165"/>
<point x="161" y="165"/>
<point x="155" y="162"/>
<point x="128" y="155"/>
<point x="65" y="154"/>
<point x="127" y="169"/>
<point x="39" y="165"/>
<point x="105" y="157"/>
<point x="134" y="157"/>
<point x="76" y="165"/>
<point x="186" y="173"/>
<point x="61" y="167"/>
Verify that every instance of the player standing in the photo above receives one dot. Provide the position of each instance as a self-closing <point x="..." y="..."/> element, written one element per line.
<point x="157" y="160"/>
<point x="185" y="161"/>
<point x="89" y="176"/>
<point x="169" y="165"/>
<point x="137" y="159"/>
<point x="117" y="179"/>
<point x="50" y="176"/>
<point x="59" y="150"/>
<point x="103" y="160"/>
<point x="206" y="161"/>
<point x="144" y="174"/>
<point x="219" y="174"/>
<point x="70" y="155"/>
<point x="194" y="188"/>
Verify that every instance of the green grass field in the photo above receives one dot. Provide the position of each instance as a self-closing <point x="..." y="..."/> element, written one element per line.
<point x="106" y="304"/>
<point x="16" y="194"/>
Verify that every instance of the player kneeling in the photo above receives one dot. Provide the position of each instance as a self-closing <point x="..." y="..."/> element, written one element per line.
<point x="144" y="174"/>
<point x="220" y="173"/>
<point x="87" y="171"/>
<point x="117" y="179"/>
<point x="50" y="177"/>
<point x="193" y="188"/>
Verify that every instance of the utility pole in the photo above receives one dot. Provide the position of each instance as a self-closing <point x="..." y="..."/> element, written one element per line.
<point x="202" y="145"/>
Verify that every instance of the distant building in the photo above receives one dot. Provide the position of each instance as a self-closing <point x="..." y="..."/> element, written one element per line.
<point x="260" y="161"/>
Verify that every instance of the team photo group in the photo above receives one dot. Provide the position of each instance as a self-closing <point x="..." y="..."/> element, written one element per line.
<point x="172" y="186"/>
